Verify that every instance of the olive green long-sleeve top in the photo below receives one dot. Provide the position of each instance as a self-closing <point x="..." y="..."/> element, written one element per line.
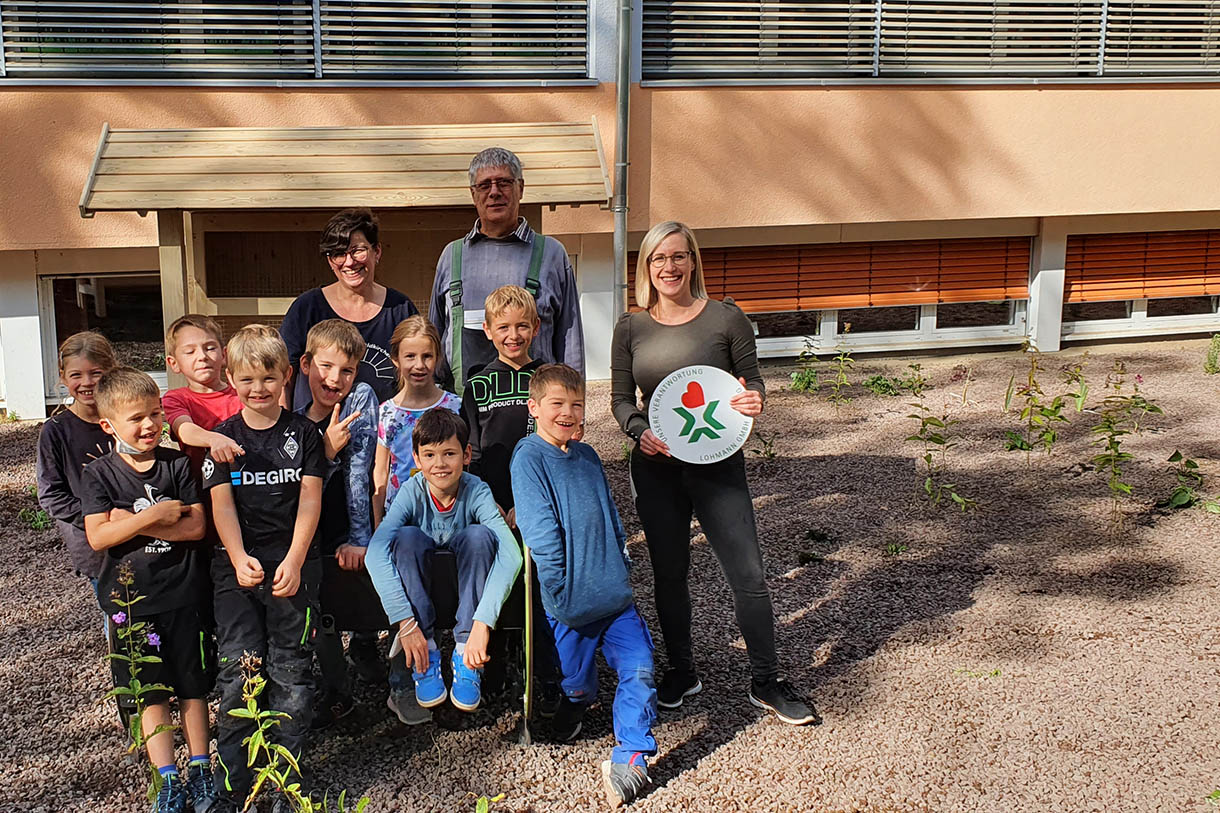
<point x="644" y="352"/>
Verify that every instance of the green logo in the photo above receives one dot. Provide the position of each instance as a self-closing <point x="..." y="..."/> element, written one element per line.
<point x="710" y="427"/>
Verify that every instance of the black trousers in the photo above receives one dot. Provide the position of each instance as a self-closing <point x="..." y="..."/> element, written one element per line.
<point x="280" y="631"/>
<point x="667" y="494"/>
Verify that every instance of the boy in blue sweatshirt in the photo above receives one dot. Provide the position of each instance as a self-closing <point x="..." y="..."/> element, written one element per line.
<point x="443" y="506"/>
<point x="568" y="519"/>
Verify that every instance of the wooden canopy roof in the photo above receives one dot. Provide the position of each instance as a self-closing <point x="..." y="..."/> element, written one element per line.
<point x="326" y="167"/>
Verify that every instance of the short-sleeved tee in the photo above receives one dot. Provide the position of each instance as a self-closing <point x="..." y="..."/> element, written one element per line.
<point x="395" y="425"/>
<point x="334" y="523"/>
<point x="376" y="370"/>
<point x="204" y="409"/>
<point x="266" y="480"/>
<point x="169" y="575"/>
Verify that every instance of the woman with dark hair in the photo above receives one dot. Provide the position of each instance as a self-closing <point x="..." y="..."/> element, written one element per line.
<point x="349" y="244"/>
<point x="680" y="327"/>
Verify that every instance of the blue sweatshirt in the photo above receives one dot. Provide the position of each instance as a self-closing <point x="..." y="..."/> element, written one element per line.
<point x="413" y="506"/>
<point x="568" y="519"/>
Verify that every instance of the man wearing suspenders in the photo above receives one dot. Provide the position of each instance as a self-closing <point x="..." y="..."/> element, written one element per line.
<point x="502" y="249"/>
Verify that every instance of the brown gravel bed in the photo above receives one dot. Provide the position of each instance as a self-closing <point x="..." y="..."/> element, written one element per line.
<point x="1021" y="658"/>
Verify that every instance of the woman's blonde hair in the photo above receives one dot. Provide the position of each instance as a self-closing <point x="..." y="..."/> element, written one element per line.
<point x="91" y="345"/>
<point x="645" y="293"/>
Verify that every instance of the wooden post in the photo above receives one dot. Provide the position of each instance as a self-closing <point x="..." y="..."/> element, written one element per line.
<point x="171" y="249"/>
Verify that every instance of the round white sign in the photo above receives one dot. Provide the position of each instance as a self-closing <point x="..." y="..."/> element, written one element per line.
<point x="690" y="412"/>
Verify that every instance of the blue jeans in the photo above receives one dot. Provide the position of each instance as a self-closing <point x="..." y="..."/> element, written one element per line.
<point x="475" y="549"/>
<point x="625" y="642"/>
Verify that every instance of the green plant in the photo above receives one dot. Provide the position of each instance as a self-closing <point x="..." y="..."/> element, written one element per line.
<point x="483" y="804"/>
<point x="880" y="384"/>
<point x="10" y="416"/>
<point x="1073" y="376"/>
<point x="1213" y="798"/>
<point x="914" y="381"/>
<point x="35" y="518"/>
<point x="843" y="362"/>
<point x="275" y="765"/>
<point x="896" y="548"/>
<point x="1120" y="416"/>
<point x="1038" y="417"/>
<point x="626" y="452"/>
<point x="806" y="378"/>
<point x="766" y="446"/>
<point x="1211" y="364"/>
<point x="975" y="674"/>
<point x="935" y="434"/>
<point x="135" y="638"/>
<point x="1189" y="481"/>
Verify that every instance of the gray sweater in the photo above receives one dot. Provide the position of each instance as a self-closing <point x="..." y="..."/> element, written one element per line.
<point x="645" y="351"/>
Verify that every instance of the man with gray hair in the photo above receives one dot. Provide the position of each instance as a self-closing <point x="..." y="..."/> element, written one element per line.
<point x="502" y="249"/>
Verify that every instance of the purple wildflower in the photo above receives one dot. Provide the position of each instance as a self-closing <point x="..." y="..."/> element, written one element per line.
<point x="119" y="618"/>
<point x="154" y="640"/>
<point x="1139" y="379"/>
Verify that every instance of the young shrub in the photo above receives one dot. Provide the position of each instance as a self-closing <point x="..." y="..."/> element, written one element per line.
<point x="1186" y="492"/>
<point x="1211" y="364"/>
<point x="881" y="384"/>
<point x="935" y="434"/>
<point x="1037" y="415"/>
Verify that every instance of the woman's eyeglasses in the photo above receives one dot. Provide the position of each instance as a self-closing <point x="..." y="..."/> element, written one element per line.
<point x="358" y="254"/>
<point x="679" y="258"/>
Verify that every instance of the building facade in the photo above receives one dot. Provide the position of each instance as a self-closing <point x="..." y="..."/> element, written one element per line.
<point x="929" y="173"/>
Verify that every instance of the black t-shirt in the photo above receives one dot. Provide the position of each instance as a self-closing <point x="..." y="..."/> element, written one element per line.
<point x="333" y="525"/>
<point x="376" y="370"/>
<point x="168" y="575"/>
<point x="496" y="410"/>
<point x="266" y="480"/>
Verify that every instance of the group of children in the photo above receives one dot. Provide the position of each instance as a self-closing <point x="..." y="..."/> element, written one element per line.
<point x="233" y="535"/>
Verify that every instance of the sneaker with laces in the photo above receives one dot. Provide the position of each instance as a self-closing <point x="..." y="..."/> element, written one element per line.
<point x="549" y="698"/>
<point x="365" y="657"/>
<point x="676" y="686"/>
<point x="332" y="708"/>
<point x="201" y="789"/>
<point x="465" y="692"/>
<point x="568" y="720"/>
<point x="429" y="685"/>
<point x="624" y="781"/>
<point x="409" y="712"/>
<point x="780" y="697"/>
<point x="171" y="798"/>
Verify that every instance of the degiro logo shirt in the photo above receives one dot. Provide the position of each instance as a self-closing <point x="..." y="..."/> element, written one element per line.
<point x="266" y="480"/>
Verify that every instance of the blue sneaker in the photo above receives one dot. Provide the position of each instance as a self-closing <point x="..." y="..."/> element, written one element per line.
<point x="172" y="798"/>
<point x="430" y="686"/>
<point x="465" y="693"/>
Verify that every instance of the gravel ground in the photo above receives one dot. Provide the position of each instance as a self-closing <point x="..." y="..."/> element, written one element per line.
<point x="1024" y="657"/>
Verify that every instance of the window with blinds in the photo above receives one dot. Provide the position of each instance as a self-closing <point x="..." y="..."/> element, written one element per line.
<point x="1142" y="265"/>
<point x="435" y="39"/>
<point x="764" y="279"/>
<point x="714" y="38"/>
<point x="390" y="39"/>
<point x="187" y="38"/>
<point x="949" y="39"/>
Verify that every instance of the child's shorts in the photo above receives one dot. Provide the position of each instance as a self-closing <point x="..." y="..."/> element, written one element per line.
<point x="187" y="656"/>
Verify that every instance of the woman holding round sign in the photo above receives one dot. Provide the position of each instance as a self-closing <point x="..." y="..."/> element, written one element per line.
<point x="695" y="362"/>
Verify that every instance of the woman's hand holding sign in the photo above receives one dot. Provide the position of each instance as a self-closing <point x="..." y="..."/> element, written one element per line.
<point x="748" y="403"/>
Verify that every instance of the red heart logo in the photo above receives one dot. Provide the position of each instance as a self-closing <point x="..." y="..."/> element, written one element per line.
<point x="693" y="397"/>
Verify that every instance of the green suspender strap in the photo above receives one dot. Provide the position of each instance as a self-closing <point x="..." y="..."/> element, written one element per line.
<point x="457" y="314"/>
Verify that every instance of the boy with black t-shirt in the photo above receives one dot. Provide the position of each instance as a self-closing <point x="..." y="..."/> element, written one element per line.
<point x="142" y="511"/>
<point x="265" y="507"/>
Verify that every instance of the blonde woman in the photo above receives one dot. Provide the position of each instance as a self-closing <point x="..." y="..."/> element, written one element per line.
<point x="678" y="327"/>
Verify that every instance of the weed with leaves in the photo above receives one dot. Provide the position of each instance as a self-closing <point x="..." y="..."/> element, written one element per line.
<point x="1189" y="480"/>
<point x="1038" y="417"/>
<point x="935" y="434"/>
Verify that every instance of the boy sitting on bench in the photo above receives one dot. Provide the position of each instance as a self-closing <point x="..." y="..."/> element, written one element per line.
<point x="443" y="507"/>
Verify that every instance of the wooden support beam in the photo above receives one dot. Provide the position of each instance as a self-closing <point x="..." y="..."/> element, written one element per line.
<point x="172" y="250"/>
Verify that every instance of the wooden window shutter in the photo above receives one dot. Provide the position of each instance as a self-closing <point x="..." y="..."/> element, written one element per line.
<point x="1142" y="265"/>
<point x="763" y="279"/>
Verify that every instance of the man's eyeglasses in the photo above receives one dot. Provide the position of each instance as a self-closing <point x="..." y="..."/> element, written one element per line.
<point x="502" y="184"/>
<point x="679" y="258"/>
<point x="359" y="254"/>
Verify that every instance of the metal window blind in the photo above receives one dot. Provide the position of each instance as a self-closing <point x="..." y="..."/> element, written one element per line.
<point x="167" y="38"/>
<point x="763" y="279"/>
<point x="1139" y="265"/>
<point x="727" y="38"/>
<point x="1019" y="37"/>
<point x="413" y="39"/>
<point x="1160" y="37"/>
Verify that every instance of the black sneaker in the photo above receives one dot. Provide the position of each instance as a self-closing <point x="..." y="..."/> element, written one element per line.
<point x="623" y="782"/>
<point x="779" y="697"/>
<point x="675" y="686"/>
<point x="364" y="655"/>
<point x="332" y="708"/>
<point x="568" y="719"/>
<point x="200" y="788"/>
<point x="550" y="697"/>
<point x="172" y="797"/>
